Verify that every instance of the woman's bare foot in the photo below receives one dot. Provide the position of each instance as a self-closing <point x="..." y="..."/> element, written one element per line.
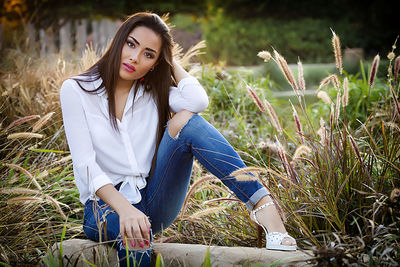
<point x="270" y="219"/>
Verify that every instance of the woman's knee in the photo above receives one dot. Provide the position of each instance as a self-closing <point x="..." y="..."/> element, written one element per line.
<point x="178" y="121"/>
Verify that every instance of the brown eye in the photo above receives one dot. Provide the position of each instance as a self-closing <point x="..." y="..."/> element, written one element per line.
<point x="149" y="55"/>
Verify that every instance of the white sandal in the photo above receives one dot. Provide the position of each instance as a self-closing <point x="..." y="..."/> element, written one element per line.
<point x="274" y="239"/>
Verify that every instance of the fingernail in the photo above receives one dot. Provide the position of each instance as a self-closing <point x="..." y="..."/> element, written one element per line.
<point x="147" y="242"/>
<point x="141" y="244"/>
<point x="132" y="243"/>
<point x="123" y="242"/>
<point x="149" y="231"/>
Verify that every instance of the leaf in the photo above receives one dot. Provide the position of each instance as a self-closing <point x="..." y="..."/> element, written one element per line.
<point x="207" y="260"/>
<point x="159" y="260"/>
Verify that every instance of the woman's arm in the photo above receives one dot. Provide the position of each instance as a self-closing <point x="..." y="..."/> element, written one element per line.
<point x="189" y="94"/>
<point x="91" y="178"/>
<point x="179" y="72"/>
<point x="133" y="224"/>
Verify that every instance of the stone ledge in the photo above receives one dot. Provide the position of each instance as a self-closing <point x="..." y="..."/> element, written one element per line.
<point x="81" y="250"/>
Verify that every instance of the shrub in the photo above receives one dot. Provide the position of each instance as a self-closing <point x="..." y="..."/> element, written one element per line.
<point x="237" y="41"/>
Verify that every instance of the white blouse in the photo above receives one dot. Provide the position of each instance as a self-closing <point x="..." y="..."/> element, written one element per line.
<point x="100" y="155"/>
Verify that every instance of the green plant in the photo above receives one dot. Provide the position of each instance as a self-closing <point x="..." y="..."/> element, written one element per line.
<point x="33" y="205"/>
<point x="334" y="181"/>
<point x="159" y="260"/>
<point x="51" y="260"/>
<point x="207" y="260"/>
<point x="237" y="41"/>
<point x="338" y="187"/>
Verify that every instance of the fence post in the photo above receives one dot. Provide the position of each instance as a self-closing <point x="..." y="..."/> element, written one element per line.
<point x="103" y="31"/>
<point x="47" y="42"/>
<point x="110" y="28"/>
<point x="95" y="33"/>
<point x="31" y="35"/>
<point x="65" y="38"/>
<point x="42" y="36"/>
<point x="81" y="35"/>
<point x="51" y="42"/>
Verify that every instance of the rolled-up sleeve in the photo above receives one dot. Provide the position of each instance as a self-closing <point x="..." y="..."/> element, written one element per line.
<point x="89" y="177"/>
<point x="189" y="95"/>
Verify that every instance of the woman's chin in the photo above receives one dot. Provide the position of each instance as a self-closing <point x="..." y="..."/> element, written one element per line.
<point x="127" y="78"/>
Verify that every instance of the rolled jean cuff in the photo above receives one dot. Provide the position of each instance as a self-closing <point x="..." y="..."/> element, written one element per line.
<point x="259" y="194"/>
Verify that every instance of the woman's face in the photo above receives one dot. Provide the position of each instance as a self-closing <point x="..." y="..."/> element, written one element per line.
<point x="139" y="53"/>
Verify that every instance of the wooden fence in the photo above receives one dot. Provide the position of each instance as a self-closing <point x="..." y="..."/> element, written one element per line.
<point x="74" y="36"/>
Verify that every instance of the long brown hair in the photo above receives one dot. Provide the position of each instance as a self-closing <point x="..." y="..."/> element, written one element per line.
<point x="156" y="82"/>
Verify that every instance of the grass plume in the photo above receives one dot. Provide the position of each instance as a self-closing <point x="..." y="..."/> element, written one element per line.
<point x="298" y="124"/>
<point x="302" y="82"/>
<point x="264" y="55"/>
<point x="374" y="70"/>
<point x="24" y="135"/>
<point x="273" y="116"/>
<point x="396" y="68"/>
<point x="42" y="121"/>
<point x="20" y="121"/>
<point x="345" y="98"/>
<point x="337" y="51"/>
<point x="286" y="70"/>
<point x="324" y="97"/>
<point x="256" y="99"/>
<point x="301" y="150"/>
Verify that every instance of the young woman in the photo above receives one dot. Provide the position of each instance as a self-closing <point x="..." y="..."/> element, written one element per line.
<point x="132" y="161"/>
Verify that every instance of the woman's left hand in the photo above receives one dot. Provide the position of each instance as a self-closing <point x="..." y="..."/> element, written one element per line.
<point x="179" y="72"/>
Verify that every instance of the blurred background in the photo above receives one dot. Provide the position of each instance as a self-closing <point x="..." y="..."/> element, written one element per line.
<point x="234" y="30"/>
<point x="341" y="194"/>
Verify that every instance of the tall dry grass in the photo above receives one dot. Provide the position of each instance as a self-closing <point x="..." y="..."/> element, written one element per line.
<point x="340" y="193"/>
<point x="336" y="183"/>
<point x="38" y="195"/>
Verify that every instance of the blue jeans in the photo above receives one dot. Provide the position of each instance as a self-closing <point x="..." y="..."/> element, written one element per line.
<point x="166" y="188"/>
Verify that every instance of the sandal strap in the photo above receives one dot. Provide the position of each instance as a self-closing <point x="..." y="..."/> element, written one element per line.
<point x="259" y="208"/>
<point x="264" y="205"/>
<point x="275" y="238"/>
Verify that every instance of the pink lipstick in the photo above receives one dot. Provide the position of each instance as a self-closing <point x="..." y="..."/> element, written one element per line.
<point x="128" y="67"/>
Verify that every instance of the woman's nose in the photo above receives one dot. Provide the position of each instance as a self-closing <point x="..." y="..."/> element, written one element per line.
<point x="134" y="57"/>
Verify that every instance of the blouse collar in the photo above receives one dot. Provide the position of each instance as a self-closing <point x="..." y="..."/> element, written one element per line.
<point x="103" y="92"/>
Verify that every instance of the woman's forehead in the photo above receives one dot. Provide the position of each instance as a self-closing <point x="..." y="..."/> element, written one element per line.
<point x="146" y="37"/>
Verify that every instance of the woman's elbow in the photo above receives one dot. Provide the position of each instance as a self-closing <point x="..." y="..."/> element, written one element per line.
<point x="202" y="104"/>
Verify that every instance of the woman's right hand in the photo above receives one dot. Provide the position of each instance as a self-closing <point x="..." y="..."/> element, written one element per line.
<point x="134" y="227"/>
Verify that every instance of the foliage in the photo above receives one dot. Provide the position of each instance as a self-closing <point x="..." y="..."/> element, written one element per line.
<point x="242" y="39"/>
<point x="340" y="194"/>
<point x="313" y="74"/>
<point x="362" y="99"/>
<point x="53" y="13"/>
<point x="38" y="193"/>
<point x="372" y="26"/>
<point x="337" y="176"/>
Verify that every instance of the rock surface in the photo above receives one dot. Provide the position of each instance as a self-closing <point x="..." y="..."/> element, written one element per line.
<point x="194" y="255"/>
<point x="80" y="251"/>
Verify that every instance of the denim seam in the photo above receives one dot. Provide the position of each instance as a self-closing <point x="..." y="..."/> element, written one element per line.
<point x="172" y="154"/>
<point x="163" y="176"/>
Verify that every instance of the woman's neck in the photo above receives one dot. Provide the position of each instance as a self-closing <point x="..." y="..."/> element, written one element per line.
<point x="123" y="86"/>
